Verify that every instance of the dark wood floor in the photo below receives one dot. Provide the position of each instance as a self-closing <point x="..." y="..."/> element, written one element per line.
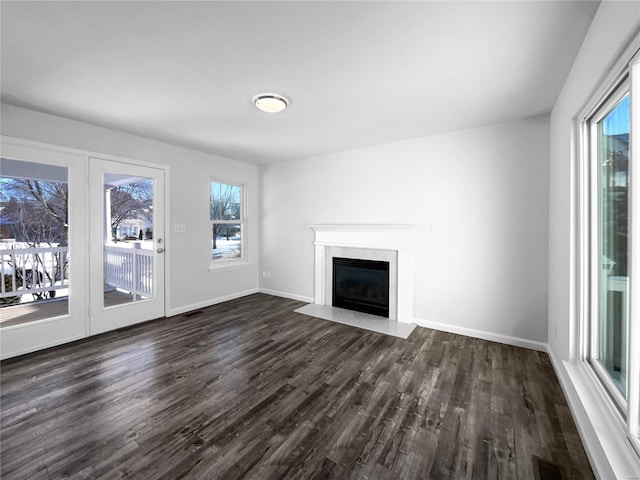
<point x="248" y="389"/>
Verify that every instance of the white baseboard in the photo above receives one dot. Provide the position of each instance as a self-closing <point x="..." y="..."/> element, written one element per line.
<point x="493" y="337"/>
<point x="290" y="296"/>
<point x="208" y="303"/>
<point x="603" y="438"/>
<point x="42" y="346"/>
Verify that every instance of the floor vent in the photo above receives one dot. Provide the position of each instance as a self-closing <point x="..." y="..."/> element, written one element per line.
<point x="191" y="314"/>
<point x="546" y="470"/>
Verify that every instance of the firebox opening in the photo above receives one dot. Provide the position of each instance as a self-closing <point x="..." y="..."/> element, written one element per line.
<point x="361" y="285"/>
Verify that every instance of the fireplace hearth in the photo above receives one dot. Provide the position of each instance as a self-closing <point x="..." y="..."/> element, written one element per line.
<point x="361" y="285"/>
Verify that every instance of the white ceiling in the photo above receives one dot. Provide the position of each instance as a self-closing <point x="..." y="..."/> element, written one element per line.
<point x="356" y="73"/>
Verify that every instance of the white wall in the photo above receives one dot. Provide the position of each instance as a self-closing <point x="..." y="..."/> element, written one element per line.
<point x="611" y="29"/>
<point x="190" y="284"/>
<point x="483" y="192"/>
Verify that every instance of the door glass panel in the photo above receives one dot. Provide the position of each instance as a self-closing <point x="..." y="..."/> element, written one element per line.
<point x="128" y="239"/>
<point x="613" y="237"/>
<point x="34" y="246"/>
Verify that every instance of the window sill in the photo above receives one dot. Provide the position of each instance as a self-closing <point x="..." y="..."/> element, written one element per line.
<point x="602" y="433"/>
<point x="223" y="265"/>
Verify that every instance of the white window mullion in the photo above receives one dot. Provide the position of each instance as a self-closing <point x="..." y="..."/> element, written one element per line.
<point x="594" y="255"/>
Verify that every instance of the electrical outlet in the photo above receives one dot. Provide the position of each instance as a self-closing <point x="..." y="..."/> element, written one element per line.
<point x="179" y="228"/>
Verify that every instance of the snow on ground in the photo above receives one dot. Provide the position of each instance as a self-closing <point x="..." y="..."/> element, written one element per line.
<point x="227" y="248"/>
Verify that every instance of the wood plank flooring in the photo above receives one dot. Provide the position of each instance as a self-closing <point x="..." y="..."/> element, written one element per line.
<point x="249" y="389"/>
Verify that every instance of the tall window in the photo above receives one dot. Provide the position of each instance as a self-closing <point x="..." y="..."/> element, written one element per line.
<point x="226" y="209"/>
<point x="611" y="211"/>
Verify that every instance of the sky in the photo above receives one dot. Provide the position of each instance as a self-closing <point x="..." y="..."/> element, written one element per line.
<point x="618" y="120"/>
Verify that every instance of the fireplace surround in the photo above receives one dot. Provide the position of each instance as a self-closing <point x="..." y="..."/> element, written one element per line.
<point x="387" y="243"/>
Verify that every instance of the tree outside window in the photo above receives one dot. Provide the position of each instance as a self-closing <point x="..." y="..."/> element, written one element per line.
<point x="34" y="213"/>
<point x="132" y="211"/>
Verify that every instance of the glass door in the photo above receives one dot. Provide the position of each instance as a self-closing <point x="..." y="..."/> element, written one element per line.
<point x="127" y="244"/>
<point x="43" y="287"/>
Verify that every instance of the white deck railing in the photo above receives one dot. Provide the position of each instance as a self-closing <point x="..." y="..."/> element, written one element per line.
<point x="33" y="270"/>
<point x="130" y="269"/>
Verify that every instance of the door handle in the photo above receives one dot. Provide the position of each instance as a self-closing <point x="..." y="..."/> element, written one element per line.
<point x="160" y="250"/>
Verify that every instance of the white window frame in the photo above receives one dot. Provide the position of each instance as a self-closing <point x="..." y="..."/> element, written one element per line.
<point x="229" y="263"/>
<point x="625" y="76"/>
<point x="618" y="92"/>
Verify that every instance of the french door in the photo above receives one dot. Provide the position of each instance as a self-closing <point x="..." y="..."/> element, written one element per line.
<point x="126" y="238"/>
<point x="42" y="253"/>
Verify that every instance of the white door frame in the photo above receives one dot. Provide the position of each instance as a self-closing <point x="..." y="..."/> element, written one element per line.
<point x="48" y="332"/>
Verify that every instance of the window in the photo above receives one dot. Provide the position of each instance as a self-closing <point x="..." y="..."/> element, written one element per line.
<point x="610" y="261"/>
<point x="609" y="134"/>
<point x="226" y="211"/>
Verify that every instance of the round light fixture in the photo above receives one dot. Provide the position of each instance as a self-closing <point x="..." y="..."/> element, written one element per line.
<point x="270" y="102"/>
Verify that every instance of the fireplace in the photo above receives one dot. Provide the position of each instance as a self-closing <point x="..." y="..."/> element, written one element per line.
<point x="393" y="244"/>
<point x="361" y="285"/>
<point x="386" y="252"/>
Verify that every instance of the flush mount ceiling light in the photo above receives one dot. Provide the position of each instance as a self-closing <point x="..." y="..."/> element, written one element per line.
<point x="270" y="102"/>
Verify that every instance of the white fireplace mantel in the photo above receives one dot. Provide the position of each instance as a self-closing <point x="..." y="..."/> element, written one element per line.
<point x="396" y="238"/>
